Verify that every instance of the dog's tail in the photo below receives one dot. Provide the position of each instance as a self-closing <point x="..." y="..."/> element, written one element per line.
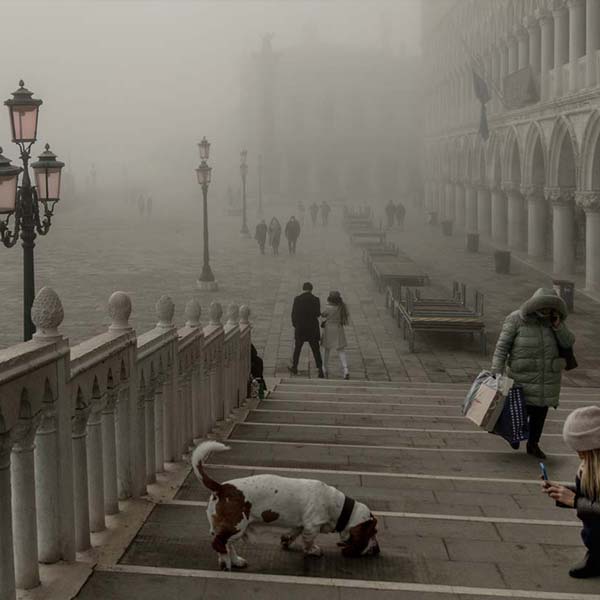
<point x="199" y="455"/>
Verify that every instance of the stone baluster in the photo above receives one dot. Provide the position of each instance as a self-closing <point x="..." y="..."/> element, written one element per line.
<point x="119" y="310"/>
<point x="7" y="565"/>
<point x="193" y="312"/>
<point x="233" y="319"/>
<point x="590" y="202"/>
<point x="563" y="234"/>
<point x="209" y="417"/>
<point x="484" y="214"/>
<point x="561" y="44"/>
<point x="165" y="311"/>
<point x="499" y="216"/>
<point x="460" y="206"/>
<point x="141" y="429"/>
<point x="546" y="22"/>
<point x="576" y="39"/>
<point x="159" y="423"/>
<point x="23" y="503"/>
<point x="95" y="463"/>
<point x="46" y="486"/>
<point x="149" y="418"/>
<point x="471" y="208"/>
<point x="109" y="450"/>
<point x="516" y="217"/>
<point x="80" y="475"/>
<point x="245" y="365"/>
<point x="592" y="40"/>
<point x="536" y="221"/>
<point x="216" y="313"/>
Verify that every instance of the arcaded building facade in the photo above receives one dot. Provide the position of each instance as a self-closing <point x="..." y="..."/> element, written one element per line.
<point x="534" y="184"/>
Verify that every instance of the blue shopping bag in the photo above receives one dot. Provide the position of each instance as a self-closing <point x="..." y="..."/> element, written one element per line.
<point x="513" y="424"/>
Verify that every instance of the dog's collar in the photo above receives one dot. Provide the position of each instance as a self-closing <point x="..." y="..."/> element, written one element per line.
<point x="344" y="517"/>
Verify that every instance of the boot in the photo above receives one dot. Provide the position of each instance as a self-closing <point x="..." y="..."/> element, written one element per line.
<point x="536" y="451"/>
<point x="321" y="374"/>
<point x="293" y="370"/>
<point x="588" y="567"/>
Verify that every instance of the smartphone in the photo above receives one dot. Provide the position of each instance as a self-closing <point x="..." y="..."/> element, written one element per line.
<point x="544" y="471"/>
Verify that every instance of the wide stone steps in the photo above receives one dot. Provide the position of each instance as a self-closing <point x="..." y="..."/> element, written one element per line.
<point x="460" y="514"/>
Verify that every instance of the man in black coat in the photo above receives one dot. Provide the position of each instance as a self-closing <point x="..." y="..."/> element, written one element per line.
<point x="305" y="319"/>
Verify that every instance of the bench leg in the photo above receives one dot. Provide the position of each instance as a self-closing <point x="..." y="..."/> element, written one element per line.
<point x="482" y="341"/>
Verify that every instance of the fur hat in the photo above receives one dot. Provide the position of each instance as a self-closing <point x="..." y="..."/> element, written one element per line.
<point x="582" y="428"/>
<point x="545" y="298"/>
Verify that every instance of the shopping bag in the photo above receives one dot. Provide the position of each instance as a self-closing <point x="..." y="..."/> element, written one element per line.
<point x="512" y="424"/>
<point x="485" y="401"/>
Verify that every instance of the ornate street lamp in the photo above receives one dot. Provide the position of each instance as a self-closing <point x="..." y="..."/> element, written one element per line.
<point x="244" y="171"/>
<point x="260" y="168"/>
<point x="23" y="202"/>
<point x="207" y="279"/>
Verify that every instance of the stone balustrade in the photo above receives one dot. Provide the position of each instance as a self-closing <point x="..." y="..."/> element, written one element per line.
<point x="82" y="427"/>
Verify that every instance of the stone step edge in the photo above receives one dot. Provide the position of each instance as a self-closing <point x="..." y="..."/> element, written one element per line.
<point x="336" y="583"/>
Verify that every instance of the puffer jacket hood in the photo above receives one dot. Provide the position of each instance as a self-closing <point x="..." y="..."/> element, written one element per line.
<point x="544" y="298"/>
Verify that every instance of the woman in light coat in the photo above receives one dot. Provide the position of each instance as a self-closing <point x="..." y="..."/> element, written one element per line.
<point x="274" y="235"/>
<point x="528" y="350"/>
<point x="334" y="337"/>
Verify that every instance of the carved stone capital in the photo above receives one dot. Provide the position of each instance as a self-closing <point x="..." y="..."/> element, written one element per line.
<point x="23" y="433"/>
<point x="47" y="314"/>
<point x="112" y="397"/>
<point x="530" y="23"/>
<point x="165" y="310"/>
<point x="574" y="4"/>
<point x="589" y="201"/>
<point x="5" y="447"/>
<point x="79" y="419"/>
<point x="510" y="188"/>
<point x="559" y="8"/>
<point x="560" y="196"/>
<point x="119" y="311"/>
<point x="544" y="16"/>
<point x="193" y="312"/>
<point x="521" y="33"/>
<point x="532" y="192"/>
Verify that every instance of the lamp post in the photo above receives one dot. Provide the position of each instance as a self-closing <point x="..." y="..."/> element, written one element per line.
<point x="244" y="172"/>
<point x="21" y="204"/>
<point x="206" y="280"/>
<point x="260" y="167"/>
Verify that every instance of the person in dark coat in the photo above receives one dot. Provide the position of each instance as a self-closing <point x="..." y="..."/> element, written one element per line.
<point x="400" y="214"/>
<point x="305" y="320"/>
<point x="274" y="235"/>
<point x="325" y="210"/>
<point x="261" y="235"/>
<point x="314" y="211"/>
<point x="390" y="211"/>
<point x="292" y="233"/>
<point x="256" y="365"/>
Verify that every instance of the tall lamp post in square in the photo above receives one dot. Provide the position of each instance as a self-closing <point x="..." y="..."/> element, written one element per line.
<point x="206" y="281"/>
<point x="244" y="172"/>
<point x="26" y="210"/>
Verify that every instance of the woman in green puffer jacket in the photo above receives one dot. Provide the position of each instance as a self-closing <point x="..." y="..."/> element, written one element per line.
<point x="527" y="350"/>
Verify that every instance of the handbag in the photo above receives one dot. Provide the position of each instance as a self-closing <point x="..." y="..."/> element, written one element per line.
<point x="567" y="354"/>
<point x="513" y="424"/>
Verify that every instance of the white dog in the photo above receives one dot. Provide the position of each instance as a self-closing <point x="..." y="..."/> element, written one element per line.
<point x="306" y="506"/>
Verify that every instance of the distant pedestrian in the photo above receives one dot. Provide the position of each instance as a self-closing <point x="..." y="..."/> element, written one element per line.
<point x="314" y="212"/>
<point x="400" y="214"/>
<point x="301" y="212"/>
<point x="581" y="432"/>
<point x="390" y="211"/>
<point x="260" y="235"/>
<point x="334" y="337"/>
<point x="292" y="233"/>
<point x="529" y="348"/>
<point x="325" y="210"/>
<point x="305" y="320"/>
<point x="275" y="235"/>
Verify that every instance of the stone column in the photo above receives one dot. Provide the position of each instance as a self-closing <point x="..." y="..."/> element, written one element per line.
<point x="590" y="202"/>
<point x="561" y="45"/>
<point x="23" y="504"/>
<point x="516" y="225"/>
<point x="159" y="423"/>
<point x="536" y="223"/>
<point x="523" y="39"/>
<point x="149" y="427"/>
<point x="547" y="50"/>
<point x="124" y="476"/>
<point x="109" y="450"/>
<point x="95" y="465"/>
<point x="141" y="460"/>
<point x="576" y="39"/>
<point x="7" y="565"/>
<point x="499" y="216"/>
<point x="80" y="476"/>
<point x="471" y="208"/>
<point x="459" y="204"/>
<point x="563" y="234"/>
<point x="533" y="29"/>
<point x="513" y="54"/>
<point x="592" y="40"/>
<point x="450" y="208"/>
<point x="484" y="215"/>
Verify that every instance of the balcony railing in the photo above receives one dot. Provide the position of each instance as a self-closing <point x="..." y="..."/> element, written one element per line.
<point x="83" y="427"/>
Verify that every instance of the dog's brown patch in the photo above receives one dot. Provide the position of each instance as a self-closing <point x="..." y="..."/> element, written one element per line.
<point x="268" y="516"/>
<point x="359" y="537"/>
<point x="230" y="508"/>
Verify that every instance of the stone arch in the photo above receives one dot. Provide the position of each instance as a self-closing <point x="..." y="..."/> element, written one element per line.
<point x="463" y="145"/>
<point x="25" y="408"/>
<point x="535" y="157"/>
<point x="562" y="156"/>
<point x="590" y="154"/>
<point x="511" y="170"/>
<point x="494" y="159"/>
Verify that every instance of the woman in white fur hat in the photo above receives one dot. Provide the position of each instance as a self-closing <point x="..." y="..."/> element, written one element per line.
<point x="582" y="433"/>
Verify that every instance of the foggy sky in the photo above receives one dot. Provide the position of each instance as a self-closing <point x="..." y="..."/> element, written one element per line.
<point x="132" y="86"/>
